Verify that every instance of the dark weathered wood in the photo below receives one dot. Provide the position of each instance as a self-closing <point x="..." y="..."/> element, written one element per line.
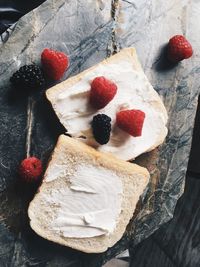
<point x="181" y="237"/>
<point x="194" y="164"/>
<point x="148" y="253"/>
<point x="177" y="243"/>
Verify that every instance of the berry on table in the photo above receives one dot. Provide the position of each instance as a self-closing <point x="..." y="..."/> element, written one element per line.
<point x="101" y="126"/>
<point x="30" y="169"/>
<point x="102" y="92"/>
<point x="28" y="77"/>
<point x="179" y="48"/>
<point x="131" y="121"/>
<point x="54" y="63"/>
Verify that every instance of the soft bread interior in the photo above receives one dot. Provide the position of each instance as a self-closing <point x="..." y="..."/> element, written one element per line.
<point x="69" y="154"/>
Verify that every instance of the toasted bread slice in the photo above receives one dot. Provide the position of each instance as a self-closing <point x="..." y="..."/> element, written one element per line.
<point x="86" y="198"/>
<point x="70" y="101"/>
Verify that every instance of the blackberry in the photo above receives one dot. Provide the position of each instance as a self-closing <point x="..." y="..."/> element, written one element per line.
<point x="101" y="125"/>
<point x="28" y="76"/>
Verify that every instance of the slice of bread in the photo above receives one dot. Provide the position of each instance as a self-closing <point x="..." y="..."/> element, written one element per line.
<point x="70" y="101"/>
<point x="86" y="198"/>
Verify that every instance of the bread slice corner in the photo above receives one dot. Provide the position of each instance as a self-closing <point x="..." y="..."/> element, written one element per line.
<point x="70" y="153"/>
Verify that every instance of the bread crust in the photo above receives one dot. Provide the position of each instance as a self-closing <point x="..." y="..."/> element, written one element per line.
<point x="134" y="180"/>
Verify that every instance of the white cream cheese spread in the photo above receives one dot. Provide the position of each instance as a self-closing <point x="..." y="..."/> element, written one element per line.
<point x="134" y="92"/>
<point x="90" y="205"/>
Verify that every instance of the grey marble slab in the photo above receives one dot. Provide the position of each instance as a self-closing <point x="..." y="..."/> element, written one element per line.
<point x="89" y="31"/>
<point x="148" y="25"/>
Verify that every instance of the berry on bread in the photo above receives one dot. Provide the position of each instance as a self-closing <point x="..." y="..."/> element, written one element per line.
<point x="101" y="126"/>
<point x="179" y="48"/>
<point x="28" y="76"/>
<point x="30" y="169"/>
<point x="54" y="63"/>
<point x="131" y="121"/>
<point x="102" y="92"/>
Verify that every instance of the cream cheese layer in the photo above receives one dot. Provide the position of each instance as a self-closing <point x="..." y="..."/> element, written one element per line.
<point x="134" y="92"/>
<point x="89" y="206"/>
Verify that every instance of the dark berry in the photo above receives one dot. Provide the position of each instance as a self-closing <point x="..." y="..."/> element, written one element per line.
<point x="101" y="126"/>
<point x="28" y="77"/>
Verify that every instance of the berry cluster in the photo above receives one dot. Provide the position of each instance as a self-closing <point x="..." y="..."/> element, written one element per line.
<point x="54" y="65"/>
<point x="103" y="90"/>
<point x="131" y="121"/>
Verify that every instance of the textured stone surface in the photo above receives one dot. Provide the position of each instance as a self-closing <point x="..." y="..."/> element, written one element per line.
<point x="148" y="25"/>
<point x="89" y="31"/>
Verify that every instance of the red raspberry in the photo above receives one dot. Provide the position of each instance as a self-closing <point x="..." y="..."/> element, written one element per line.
<point x="131" y="121"/>
<point x="179" y="48"/>
<point x="54" y="63"/>
<point x="30" y="169"/>
<point x="102" y="92"/>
